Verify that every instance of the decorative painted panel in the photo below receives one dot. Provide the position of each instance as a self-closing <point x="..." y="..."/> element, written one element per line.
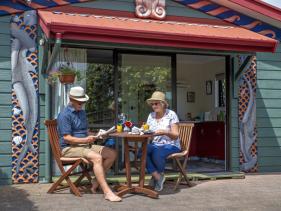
<point x="247" y="118"/>
<point x="154" y="9"/>
<point x="234" y="17"/>
<point x="12" y="7"/>
<point x="25" y="97"/>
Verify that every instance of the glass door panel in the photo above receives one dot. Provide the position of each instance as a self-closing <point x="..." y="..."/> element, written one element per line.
<point x="139" y="77"/>
<point x="100" y="88"/>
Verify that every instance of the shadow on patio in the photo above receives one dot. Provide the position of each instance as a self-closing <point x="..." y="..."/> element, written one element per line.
<point x="14" y="198"/>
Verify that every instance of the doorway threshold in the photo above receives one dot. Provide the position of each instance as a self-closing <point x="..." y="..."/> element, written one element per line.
<point x="174" y="176"/>
<point x="217" y="175"/>
<point x="115" y="179"/>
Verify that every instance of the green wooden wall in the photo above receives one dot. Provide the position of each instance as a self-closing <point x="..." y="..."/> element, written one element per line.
<point x="269" y="111"/>
<point x="5" y="101"/>
<point x="173" y="8"/>
<point x="43" y="156"/>
<point x="234" y="131"/>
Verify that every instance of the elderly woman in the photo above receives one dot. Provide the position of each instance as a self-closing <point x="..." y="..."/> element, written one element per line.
<point x="163" y="122"/>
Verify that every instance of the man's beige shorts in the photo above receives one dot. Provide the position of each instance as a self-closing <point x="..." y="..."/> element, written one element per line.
<point x="81" y="150"/>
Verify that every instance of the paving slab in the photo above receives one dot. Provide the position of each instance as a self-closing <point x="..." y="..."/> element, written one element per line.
<point x="255" y="192"/>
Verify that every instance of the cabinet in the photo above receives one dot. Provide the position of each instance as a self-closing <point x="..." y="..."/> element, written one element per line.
<point x="208" y="140"/>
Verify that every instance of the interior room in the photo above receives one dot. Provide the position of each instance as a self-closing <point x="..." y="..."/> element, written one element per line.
<point x="201" y="98"/>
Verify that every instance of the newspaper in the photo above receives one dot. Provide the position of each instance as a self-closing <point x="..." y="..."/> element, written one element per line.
<point x="102" y="132"/>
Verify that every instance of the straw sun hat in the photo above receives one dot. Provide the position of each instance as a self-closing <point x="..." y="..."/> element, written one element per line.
<point x="78" y="93"/>
<point x="157" y="96"/>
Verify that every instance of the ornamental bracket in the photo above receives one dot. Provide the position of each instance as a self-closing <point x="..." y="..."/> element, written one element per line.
<point x="154" y="9"/>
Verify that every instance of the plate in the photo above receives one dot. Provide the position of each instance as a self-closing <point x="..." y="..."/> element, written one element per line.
<point x="148" y="132"/>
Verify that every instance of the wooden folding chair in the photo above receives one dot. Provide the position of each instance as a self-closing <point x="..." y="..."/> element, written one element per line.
<point x="185" y="132"/>
<point x="63" y="161"/>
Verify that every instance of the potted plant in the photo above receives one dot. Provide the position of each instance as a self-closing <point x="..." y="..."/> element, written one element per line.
<point x="66" y="75"/>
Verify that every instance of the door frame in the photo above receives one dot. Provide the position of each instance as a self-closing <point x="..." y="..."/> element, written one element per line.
<point x="173" y="55"/>
<point x="228" y="79"/>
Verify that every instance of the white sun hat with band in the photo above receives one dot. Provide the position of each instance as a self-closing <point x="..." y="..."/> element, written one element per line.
<point x="78" y="93"/>
<point x="157" y="96"/>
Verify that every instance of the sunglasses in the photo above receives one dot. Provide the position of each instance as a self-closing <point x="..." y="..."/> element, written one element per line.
<point x="79" y="103"/>
<point x="154" y="104"/>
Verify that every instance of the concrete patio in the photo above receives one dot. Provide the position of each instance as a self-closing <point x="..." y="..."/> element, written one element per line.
<point x="255" y="192"/>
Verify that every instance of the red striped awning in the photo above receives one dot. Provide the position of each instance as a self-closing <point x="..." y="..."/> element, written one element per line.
<point x="129" y="30"/>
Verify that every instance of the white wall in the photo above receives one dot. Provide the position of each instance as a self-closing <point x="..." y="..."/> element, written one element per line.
<point x="192" y="73"/>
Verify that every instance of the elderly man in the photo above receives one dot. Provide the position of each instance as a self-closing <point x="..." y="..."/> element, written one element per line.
<point x="75" y="141"/>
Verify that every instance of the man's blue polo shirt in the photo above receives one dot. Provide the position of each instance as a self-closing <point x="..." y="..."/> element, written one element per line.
<point x="71" y="122"/>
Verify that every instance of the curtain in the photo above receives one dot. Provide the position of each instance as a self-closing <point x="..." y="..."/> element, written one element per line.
<point x="76" y="58"/>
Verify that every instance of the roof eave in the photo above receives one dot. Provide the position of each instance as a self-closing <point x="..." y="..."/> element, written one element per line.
<point x="112" y="35"/>
<point x="260" y="7"/>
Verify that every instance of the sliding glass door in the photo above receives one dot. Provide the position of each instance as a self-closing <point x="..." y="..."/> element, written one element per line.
<point x="139" y="76"/>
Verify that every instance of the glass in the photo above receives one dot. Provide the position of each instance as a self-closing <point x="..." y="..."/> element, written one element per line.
<point x="75" y="58"/>
<point x="119" y="128"/>
<point x="100" y="88"/>
<point x="139" y="76"/>
<point x="97" y="78"/>
<point x="145" y="126"/>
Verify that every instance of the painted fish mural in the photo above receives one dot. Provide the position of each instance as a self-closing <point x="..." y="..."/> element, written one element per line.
<point x="25" y="97"/>
<point x="247" y="120"/>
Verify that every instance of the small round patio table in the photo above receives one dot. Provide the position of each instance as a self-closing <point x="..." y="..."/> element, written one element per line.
<point x="129" y="188"/>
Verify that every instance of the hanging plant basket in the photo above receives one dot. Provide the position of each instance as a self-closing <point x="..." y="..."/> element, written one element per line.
<point x="67" y="78"/>
<point x="66" y="75"/>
